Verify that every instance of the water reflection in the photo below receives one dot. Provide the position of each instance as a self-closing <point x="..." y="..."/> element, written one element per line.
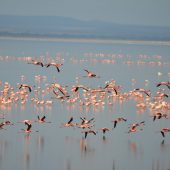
<point x="26" y="154"/>
<point x="40" y="143"/>
<point x="3" y="149"/>
<point x="132" y="147"/>
<point x="164" y="145"/>
<point x="113" y="166"/>
<point x="105" y="139"/>
<point x="85" y="148"/>
<point x="67" y="165"/>
<point x="26" y="160"/>
<point x="159" y="165"/>
<point x="135" y="149"/>
<point x="131" y="71"/>
<point x="26" y="139"/>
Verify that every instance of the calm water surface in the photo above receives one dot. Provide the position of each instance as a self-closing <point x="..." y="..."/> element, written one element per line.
<point x="52" y="147"/>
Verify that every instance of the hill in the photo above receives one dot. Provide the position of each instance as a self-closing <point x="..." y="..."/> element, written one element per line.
<point x="65" y="27"/>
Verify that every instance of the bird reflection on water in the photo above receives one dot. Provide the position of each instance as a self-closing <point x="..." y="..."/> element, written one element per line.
<point x="158" y="165"/>
<point x="26" y="152"/>
<point x="133" y="147"/>
<point x="27" y="161"/>
<point x="40" y="143"/>
<point x="88" y="99"/>
<point x="164" y="146"/>
<point x="67" y="165"/>
<point x="85" y="148"/>
<point x="3" y="149"/>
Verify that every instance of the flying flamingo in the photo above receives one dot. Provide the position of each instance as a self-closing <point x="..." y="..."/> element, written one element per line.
<point x="90" y="74"/>
<point x="85" y="121"/>
<point x="25" y="86"/>
<point x="35" y="62"/>
<point x="69" y="123"/>
<point x="120" y="119"/>
<point x="76" y="88"/>
<point x="159" y="116"/>
<point x="5" y="123"/>
<point x="104" y="130"/>
<point x="133" y="127"/>
<point x="143" y="90"/>
<point x="110" y="87"/>
<point x="41" y="119"/>
<point x="164" y="83"/>
<point x="57" y="65"/>
<point x="88" y="132"/>
<point x="29" y="126"/>
<point x="28" y="123"/>
<point x="164" y="130"/>
<point x="60" y="88"/>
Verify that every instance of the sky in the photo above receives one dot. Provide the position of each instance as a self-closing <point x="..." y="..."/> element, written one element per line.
<point x="137" y="12"/>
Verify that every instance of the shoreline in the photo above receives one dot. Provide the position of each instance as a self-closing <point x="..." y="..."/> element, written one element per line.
<point x="88" y="40"/>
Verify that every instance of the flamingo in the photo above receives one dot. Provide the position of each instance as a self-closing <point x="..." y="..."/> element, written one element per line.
<point x="41" y="120"/>
<point x="104" y="130"/>
<point x="25" y="86"/>
<point x="90" y="74"/>
<point x="133" y="130"/>
<point x="76" y="88"/>
<point x="89" y="131"/>
<point x="57" y="65"/>
<point x="159" y="116"/>
<point x="5" y="123"/>
<point x="164" y="83"/>
<point x="164" y="130"/>
<point x="69" y="123"/>
<point x="120" y="119"/>
<point x="85" y="121"/>
<point x="60" y="88"/>
<point x="57" y="96"/>
<point x="35" y="62"/>
<point x="29" y="126"/>
<point x="28" y="123"/>
<point x="133" y="127"/>
<point x="110" y="87"/>
<point x="143" y="90"/>
<point x="84" y="126"/>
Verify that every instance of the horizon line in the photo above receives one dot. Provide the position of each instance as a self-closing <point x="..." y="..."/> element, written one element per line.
<point x="90" y="40"/>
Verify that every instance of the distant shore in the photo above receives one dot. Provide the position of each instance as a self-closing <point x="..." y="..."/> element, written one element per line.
<point x="88" y="40"/>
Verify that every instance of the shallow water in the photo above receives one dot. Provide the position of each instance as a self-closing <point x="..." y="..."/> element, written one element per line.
<point x="52" y="147"/>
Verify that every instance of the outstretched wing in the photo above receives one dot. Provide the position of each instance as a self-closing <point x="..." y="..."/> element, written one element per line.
<point x="115" y="123"/>
<point x="163" y="134"/>
<point x="71" y="119"/>
<point x="57" y="69"/>
<point x="43" y="118"/>
<point x="85" y="134"/>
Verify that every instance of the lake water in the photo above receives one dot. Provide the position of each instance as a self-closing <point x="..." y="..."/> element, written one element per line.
<point x="130" y="65"/>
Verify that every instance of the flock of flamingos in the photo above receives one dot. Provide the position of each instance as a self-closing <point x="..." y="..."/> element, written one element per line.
<point x="85" y="96"/>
